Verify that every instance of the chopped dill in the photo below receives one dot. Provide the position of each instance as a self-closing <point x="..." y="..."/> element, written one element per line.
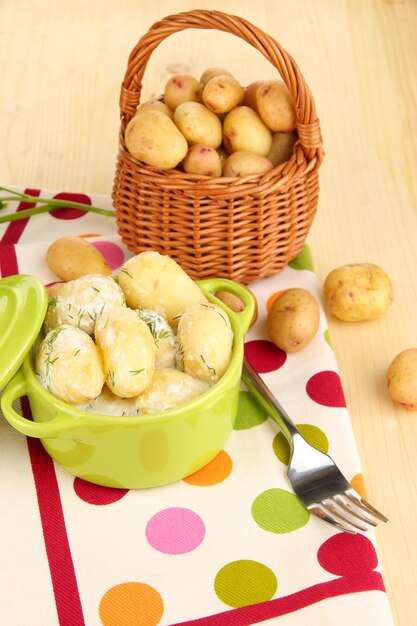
<point x="210" y="369"/>
<point x="135" y="372"/>
<point x="125" y="271"/>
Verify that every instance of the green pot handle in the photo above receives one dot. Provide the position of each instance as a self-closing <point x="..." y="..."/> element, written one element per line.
<point x="242" y="319"/>
<point x="60" y="427"/>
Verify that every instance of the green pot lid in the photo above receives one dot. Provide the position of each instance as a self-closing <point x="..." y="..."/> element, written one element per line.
<point x="23" y="303"/>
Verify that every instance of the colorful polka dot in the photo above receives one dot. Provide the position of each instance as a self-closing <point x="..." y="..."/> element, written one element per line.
<point x="273" y="297"/>
<point x="113" y="254"/>
<point x="304" y="260"/>
<point x="326" y="336"/>
<point x="131" y="604"/>
<point x="245" y="582"/>
<point x="312" y="434"/>
<point x="347" y="555"/>
<point x="213" y="473"/>
<point x="358" y="483"/>
<point x="279" y="511"/>
<point x="97" y="494"/>
<point x="249" y="413"/>
<point x="264" y="356"/>
<point x="175" y="530"/>
<point x="68" y="213"/>
<point x="325" y="388"/>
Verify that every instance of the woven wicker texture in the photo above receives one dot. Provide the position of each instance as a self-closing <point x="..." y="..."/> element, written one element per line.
<point x="239" y="228"/>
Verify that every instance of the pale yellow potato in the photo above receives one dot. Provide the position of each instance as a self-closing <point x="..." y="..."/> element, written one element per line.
<point x="251" y="90"/>
<point x="293" y="319"/>
<point x="152" y="137"/>
<point x="169" y="388"/>
<point x="72" y="257"/>
<point x="222" y="93"/>
<point x="243" y="130"/>
<point x="210" y="72"/>
<point x="163" y="336"/>
<point x="357" y="292"/>
<point x="243" y="163"/>
<point x="79" y="302"/>
<point x="155" y="281"/>
<point x="205" y="340"/>
<point x="202" y="159"/>
<point x="69" y="365"/>
<point x="282" y="147"/>
<point x="402" y="379"/>
<point x="198" y="125"/>
<point x="51" y="316"/>
<point x="155" y="105"/>
<point x="275" y="106"/>
<point x="127" y="349"/>
<point x="181" y="88"/>
<point x="107" y="403"/>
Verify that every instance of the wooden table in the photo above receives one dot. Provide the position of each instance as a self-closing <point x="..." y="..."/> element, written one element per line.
<point x="61" y="66"/>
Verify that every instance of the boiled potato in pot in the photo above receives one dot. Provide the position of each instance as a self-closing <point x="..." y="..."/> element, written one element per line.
<point x="169" y="388"/>
<point x="357" y="292"/>
<point x="293" y="319"/>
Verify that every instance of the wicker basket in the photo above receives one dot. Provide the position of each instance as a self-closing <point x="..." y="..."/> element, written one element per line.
<point x="240" y="228"/>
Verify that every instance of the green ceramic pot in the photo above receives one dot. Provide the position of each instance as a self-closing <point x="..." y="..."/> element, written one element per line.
<point x="140" y="451"/>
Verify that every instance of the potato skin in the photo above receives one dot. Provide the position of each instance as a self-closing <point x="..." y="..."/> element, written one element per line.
<point x="181" y="88"/>
<point x="72" y="257"/>
<point x="275" y="106"/>
<point x="293" y="319"/>
<point x="222" y="93"/>
<point x="198" y="125"/>
<point x="357" y="292"/>
<point x="242" y="163"/>
<point x="402" y="379"/>
<point x="244" y="130"/>
<point x="202" y="159"/>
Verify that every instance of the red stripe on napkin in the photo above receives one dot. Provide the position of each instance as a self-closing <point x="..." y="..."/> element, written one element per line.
<point x="15" y="229"/>
<point x="61" y="566"/>
<point x="8" y="261"/>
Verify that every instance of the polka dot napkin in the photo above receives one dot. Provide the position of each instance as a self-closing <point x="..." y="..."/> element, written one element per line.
<point x="228" y="545"/>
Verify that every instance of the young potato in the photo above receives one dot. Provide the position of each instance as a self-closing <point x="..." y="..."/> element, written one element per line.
<point x="250" y="96"/>
<point x="243" y="163"/>
<point x="293" y="319"/>
<point x="243" y="130"/>
<point x="181" y="88"/>
<point x="155" y="281"/>
<point x="205" y="340"/>
<point x="155" y="105"/>
<point x="127" y="349"/>
<point x="152" y="137"/>
<point x="79" y="302"/>
<point x="221" y="94"/>
<point x="202" y="159"/>
<point x="210" y="72"/>
<point x="107" y="403"/>
<point x="357" y="292"/>
<point x="72" y="257"/>
<point x="402" y="379"/>
<point x="69" y="365"/>
<point x="198" y="125"/>
<point x="275" y="106"/>
<point x="169" y="388"/>
<point x="163" y="336"/>
<point x="282" y="147"/>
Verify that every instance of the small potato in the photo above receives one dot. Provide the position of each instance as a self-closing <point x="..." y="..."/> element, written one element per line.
<point x="163" y="336"/>
<point x="357" y="292"/>
<point x="243" y="163"/>
<point x="251" y="91"/>
<point x="72" y="257"/>
<point x="276" y="107"/>
<point x="244" y="130"/>
<point x="152" y="137"/>
<point x="402" y="379"/>
<point x="127" y="349"/>
<point x="107" y="403"/>
<point x="69" y="365"/>
<point x="293" y="319"/>
<point x="155" y="105"/>
<point x="282" y="147"/>
<point x="79" y="302"/>
<point x="198" y="125"/>
<point x="221" y="94"/>
<point x="181" y="88"/>
<point x="169" y="388"/>
<point x="210" y="72"/>
<point x="205" y="340"/>
<point x="155" y="281"/>
<point x="236" y="304"/>
<point x="202" y="159"/>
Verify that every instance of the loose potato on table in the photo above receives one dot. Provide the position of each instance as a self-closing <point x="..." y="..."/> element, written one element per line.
<point x="293" y="319"/>
<point x="72" y="257"/>
<point x="357" y="292"/>
<point x="402" y="379"/>
<point x="244" y="130"/>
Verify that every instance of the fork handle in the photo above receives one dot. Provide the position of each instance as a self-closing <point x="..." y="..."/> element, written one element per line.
<point x="265" y="397"/>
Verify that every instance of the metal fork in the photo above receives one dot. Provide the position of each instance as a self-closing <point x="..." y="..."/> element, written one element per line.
<point x="313" y="475"/>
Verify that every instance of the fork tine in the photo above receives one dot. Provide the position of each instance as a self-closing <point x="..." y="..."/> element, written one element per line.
<point x="357" y="499"/>
<point x="344" y="516"/>
<point x="320" y="512"/>
<point x="352" y="507"/>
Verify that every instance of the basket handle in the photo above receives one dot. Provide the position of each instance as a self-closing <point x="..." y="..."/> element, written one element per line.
<point x="308" y="126"/>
